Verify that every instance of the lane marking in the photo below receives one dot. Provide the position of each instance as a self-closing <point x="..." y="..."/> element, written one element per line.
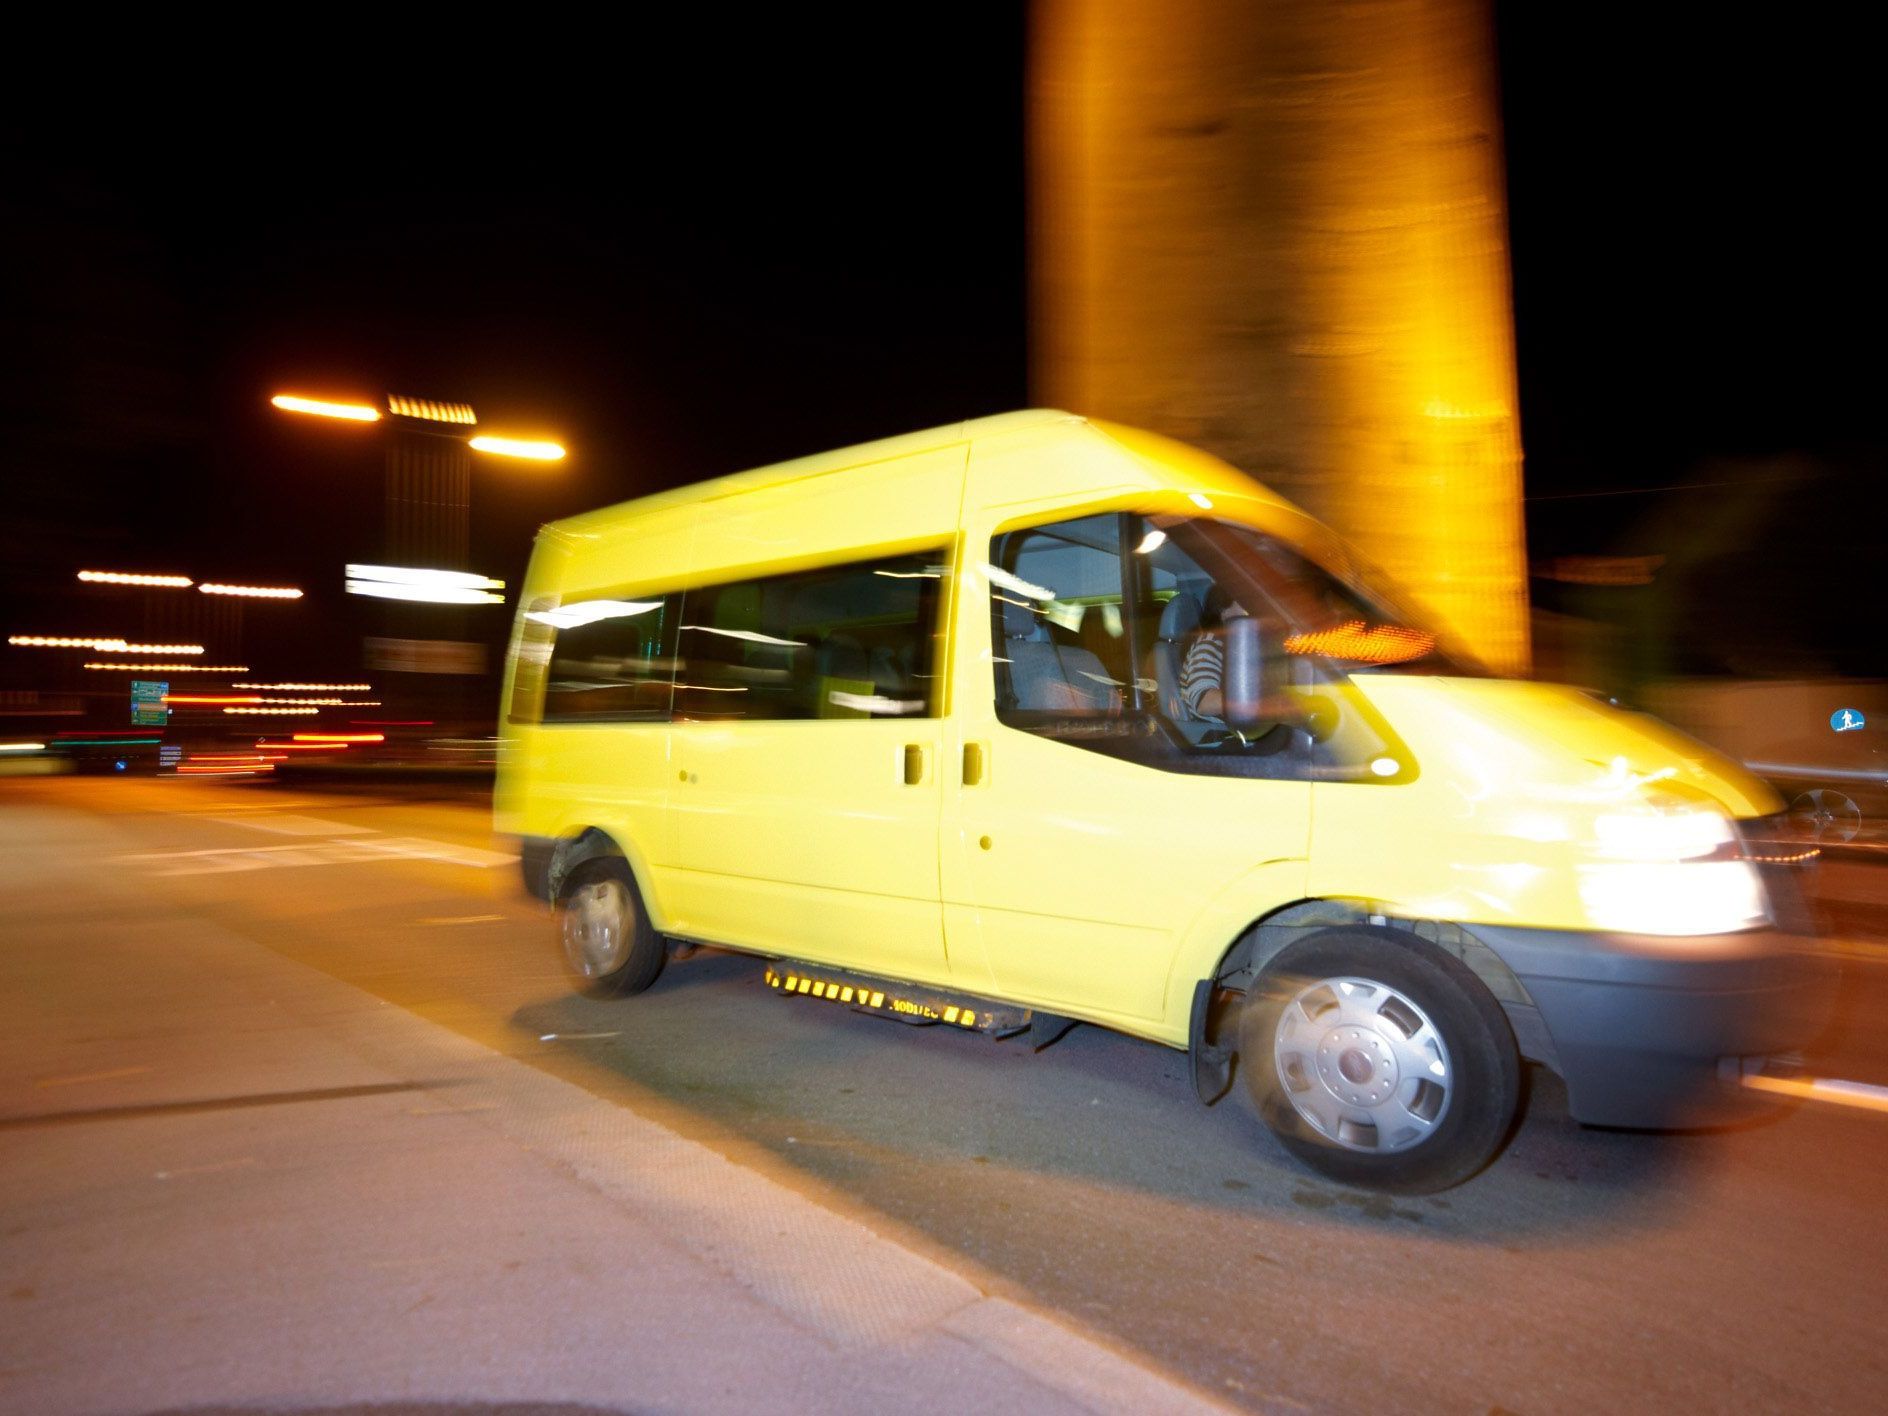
<point x="226" y="860"/>
<point x="421" y="849"/>
<point x="289" y="824"/>
<point x="1861" y="1095"/>
<point x="1866" y="951"/>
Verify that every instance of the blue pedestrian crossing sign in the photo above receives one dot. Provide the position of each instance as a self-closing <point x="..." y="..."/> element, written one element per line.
<point x="1846" y="720"/>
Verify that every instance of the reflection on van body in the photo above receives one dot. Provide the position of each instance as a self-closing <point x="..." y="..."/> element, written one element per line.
<point x="1036" y="718"/>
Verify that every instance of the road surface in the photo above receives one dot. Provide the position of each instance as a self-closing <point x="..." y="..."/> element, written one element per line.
<point x="1736" y="1270"/>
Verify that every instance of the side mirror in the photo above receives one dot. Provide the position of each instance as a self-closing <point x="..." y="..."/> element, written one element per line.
<point x="1242" y="686"/>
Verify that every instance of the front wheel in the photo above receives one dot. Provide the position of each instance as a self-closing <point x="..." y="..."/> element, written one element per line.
<point x="1826" y="816"/>
<point x="1380" y="1060"/>
<point x="610" y="947"/>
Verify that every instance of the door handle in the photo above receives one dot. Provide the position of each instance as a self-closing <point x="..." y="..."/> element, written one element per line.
<point x="973" y="764"/>
<point x="914" y="763"/>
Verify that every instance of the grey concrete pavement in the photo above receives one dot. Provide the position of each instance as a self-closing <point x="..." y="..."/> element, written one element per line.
<point x="230" y="1179"/>
<point x="1587" y="1270"/>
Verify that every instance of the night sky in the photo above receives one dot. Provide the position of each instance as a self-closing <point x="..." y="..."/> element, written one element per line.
<point x="683" y="253"/>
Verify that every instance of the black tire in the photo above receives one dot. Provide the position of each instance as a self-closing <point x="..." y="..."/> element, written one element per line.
<point x="610" y="949"/>
<point x="1430" y="1052"/>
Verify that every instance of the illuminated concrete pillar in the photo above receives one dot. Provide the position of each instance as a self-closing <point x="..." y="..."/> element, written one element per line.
<point x="1277" y="229"/>
<point x="429" y="498"/>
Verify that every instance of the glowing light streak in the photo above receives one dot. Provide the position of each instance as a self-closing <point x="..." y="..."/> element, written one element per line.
<point x="590" y="611"/>
<point x="438" y="587"/>
<point x="350" y="412"/>
<point x="1857" y="1094"/>
<point x="311" y="687"/>
<point x="124" y="577"/>
<point x="996" y="575"/>
<point x="171" y="668"/>
<point x="1383" y="644"/>
<point x="518" y="447"/>
<point x="430" y="411"/>
<point x="253" y="592"/>
<point x="59" y="641"/>
<point x="750" y="636"/>
<point x="106" y="646"/>
<point x="262" y="699"/>
<point x="340" y="737"/>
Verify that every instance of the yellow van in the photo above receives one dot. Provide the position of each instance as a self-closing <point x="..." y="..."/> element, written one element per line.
<point x="1036" y="719"/>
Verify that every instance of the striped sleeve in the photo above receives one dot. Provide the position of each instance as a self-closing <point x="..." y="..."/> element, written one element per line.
<point x="1202" y="671"/>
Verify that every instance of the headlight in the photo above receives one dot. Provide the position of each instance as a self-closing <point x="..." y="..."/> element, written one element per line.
<point x="1670" y="872"/>
<point x="1654" y="835"/>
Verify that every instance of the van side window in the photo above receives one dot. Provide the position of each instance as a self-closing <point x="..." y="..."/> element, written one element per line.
<point x="1108" y="632"/>
<point x="531" y="662"/>
<point x="1056" y="595"/>
<point x="847" y="641"/>
<point x="611" y="660"/>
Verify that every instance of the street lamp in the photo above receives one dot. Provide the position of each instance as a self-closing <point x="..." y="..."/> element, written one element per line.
<point x="320" y="408"/>
<point x="428" y="474"/>
<point x="518" y="447"/>
<point x="427" y="530"/>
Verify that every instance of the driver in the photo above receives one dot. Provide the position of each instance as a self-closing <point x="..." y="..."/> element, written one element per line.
<point x="1204" y="667"/>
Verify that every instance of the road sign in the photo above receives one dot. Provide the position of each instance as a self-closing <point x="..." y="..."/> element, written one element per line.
<point x="1846" y="720"/>
<point x="148" y="709"/>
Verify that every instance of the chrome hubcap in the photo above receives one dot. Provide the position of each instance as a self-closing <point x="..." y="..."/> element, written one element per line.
<point x="598" y="920"/>
<point x="1362" y="1064"/>
<point x="1826" y="815"/>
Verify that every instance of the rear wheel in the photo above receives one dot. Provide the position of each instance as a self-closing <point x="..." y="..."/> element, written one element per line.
<point x="610" y="947"/>
<point x="1380" y="1060"/>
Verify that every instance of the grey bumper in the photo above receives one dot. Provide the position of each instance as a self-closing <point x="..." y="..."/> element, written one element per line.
<point x="1638" y="1023"/>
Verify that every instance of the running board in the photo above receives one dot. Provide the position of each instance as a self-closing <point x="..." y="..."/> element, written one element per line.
<point x="907" y="1002"/>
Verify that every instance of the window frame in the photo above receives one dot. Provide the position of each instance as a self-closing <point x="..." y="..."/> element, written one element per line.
<point x="933" y="631"/>
<point x="1139" y="732"/>
<point x="531" y="679"/>
<point x="669" y="599"/>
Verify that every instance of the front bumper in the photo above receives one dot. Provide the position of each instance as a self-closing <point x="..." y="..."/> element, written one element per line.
<point x="1637" y="1024"/>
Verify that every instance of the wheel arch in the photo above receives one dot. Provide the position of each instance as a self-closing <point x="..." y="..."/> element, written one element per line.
<point x="1239" y="966"/>
<point x="587" y="843"/>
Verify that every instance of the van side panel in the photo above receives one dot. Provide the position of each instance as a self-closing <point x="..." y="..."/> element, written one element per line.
<point x="804" y="836"/>
<point x="559" y="779"/>
<point x="1073" y="880"/>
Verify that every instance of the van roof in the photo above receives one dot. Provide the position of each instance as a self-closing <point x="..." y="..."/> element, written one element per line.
<point x="818" y="464"/>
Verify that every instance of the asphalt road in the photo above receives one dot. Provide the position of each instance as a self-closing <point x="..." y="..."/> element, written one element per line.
<point x="1736" y="1270"/>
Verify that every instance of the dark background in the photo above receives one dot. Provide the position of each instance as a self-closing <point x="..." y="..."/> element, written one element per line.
<point x="686" y="252"/>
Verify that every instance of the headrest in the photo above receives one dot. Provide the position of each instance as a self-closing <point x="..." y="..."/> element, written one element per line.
<point x="1181" y="617"/>
<point x="1019" y="620"/>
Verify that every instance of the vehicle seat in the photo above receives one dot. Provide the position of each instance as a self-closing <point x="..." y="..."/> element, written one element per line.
<point x="1179" y="622"/>
<point x="841" y="656"/>
<point x="1047" y="676"/>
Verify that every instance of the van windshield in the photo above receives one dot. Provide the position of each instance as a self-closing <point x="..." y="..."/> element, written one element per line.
<point x="1327" y="606"/>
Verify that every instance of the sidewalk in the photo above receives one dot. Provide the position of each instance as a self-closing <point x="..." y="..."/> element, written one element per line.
<point x="230" y="1182"/>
